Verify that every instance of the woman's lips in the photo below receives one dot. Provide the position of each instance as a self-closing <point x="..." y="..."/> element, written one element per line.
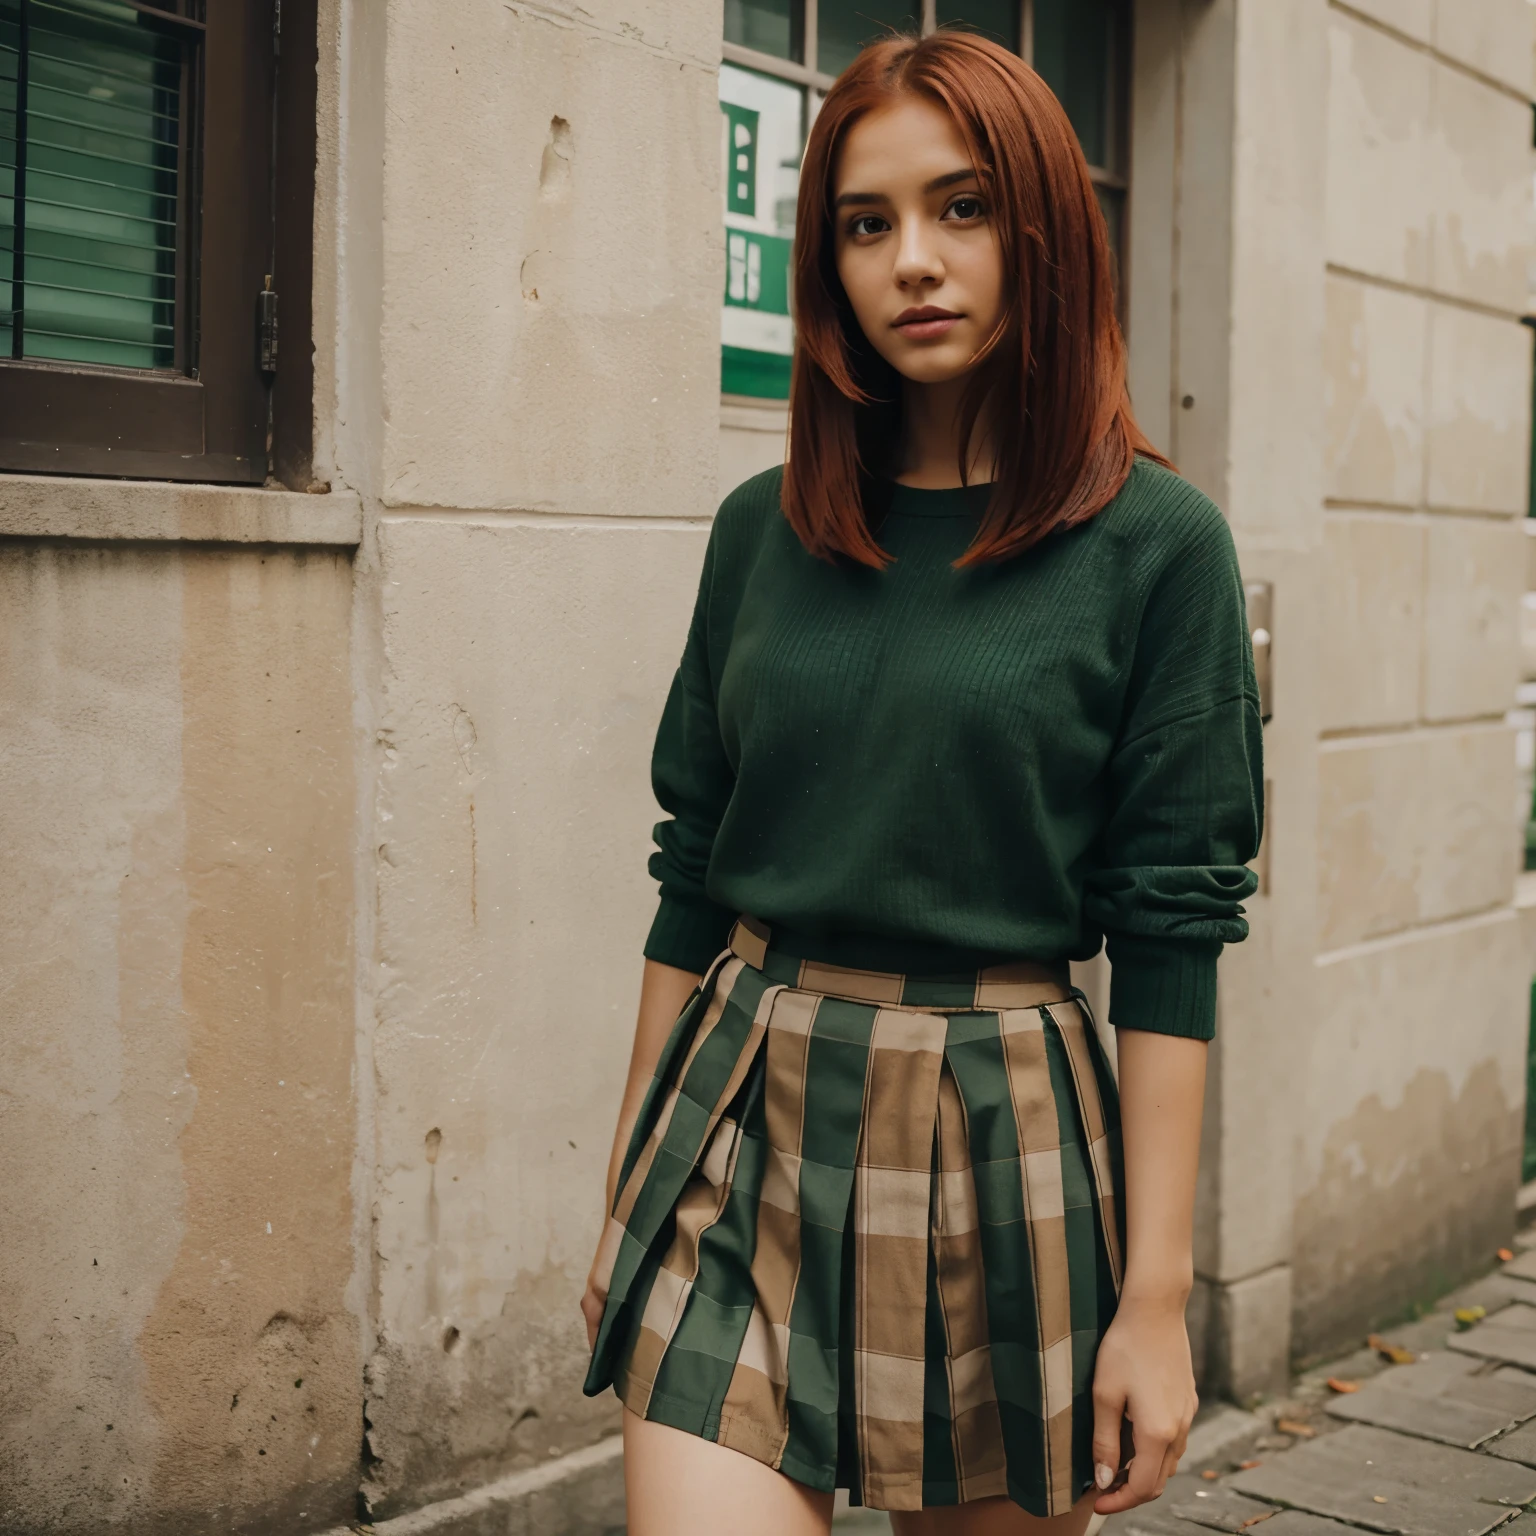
<point x="928" y="327"/>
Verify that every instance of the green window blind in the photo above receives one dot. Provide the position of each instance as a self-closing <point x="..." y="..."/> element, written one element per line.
<point x="90" y="132"/>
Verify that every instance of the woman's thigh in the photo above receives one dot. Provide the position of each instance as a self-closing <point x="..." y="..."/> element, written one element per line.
<point x="992" y="1517"/>
<point x="676" y="1484"/>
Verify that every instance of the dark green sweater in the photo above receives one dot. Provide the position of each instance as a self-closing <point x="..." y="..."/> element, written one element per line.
<point x="927" y="770"/>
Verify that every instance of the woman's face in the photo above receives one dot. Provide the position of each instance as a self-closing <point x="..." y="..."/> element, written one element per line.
<point x="916" y="247"/>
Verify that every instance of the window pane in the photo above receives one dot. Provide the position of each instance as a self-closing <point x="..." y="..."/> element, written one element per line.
<point x="1112" y="206"/>
<point x="9" y="45"/>
<point x="100" y="194"/>
<point x="844" y="26"/>
<point x="762" y="136"/>
<point x="1075" y="45"/>
<point x="997" y="19"/>
<point x="770" y="26"/>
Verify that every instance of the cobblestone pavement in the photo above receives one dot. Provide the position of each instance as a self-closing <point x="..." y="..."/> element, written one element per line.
<point x="1442" y="1446"/>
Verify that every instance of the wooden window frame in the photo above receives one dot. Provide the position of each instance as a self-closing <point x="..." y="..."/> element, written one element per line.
<point x="248" y="157"/>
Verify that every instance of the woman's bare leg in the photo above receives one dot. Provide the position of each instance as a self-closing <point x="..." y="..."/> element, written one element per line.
<point x="676" y="1484"/>
<point x="992" y="1517"/>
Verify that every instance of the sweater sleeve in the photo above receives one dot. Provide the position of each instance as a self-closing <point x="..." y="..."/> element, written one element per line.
<point x="1186" y="792"/>
<point x="692" y="780"/>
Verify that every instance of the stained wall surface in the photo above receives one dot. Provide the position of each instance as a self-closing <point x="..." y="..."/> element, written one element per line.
<point x="179" y="1341"/>
<point x="1407" y="1143"/>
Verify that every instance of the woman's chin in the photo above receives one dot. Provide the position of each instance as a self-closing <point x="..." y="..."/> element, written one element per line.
<point x="933" y="367"/>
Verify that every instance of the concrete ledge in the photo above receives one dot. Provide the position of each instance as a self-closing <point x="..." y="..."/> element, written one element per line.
<point x="60" y="507"/>
<point x="577" y="1495"/>
<point x="1525" y="909"/>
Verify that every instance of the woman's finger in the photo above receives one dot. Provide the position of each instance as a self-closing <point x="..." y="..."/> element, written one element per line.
<point x="1147" y="1476"/>
<point x="1108" y="1410"/>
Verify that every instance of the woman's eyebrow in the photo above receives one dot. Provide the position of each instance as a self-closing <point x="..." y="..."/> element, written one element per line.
<point x="948" y="179"/>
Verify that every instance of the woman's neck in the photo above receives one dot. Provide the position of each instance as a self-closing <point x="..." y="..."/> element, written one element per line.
<point x="930" y="438"/>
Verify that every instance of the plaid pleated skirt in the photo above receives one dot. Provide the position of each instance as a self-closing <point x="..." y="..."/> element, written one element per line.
<point x="868" y="1230"/>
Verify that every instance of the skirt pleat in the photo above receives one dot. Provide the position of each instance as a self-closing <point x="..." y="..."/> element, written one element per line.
<point x="868" y="1230"/>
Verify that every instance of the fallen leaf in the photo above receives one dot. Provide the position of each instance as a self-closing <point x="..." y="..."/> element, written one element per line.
<point x="1466" y="1316"/>
<point x="1376" y="1498"/>
<point x="1506" y="1254"/>
<point x="1210" y="1475"/>
<point x="1336" y="1384"/>
<point x="1291" y="1427"/>
<point x="1390" y="1351"/>
<point x="1269" y="1514"/>
<point x="1248" y="1466"/>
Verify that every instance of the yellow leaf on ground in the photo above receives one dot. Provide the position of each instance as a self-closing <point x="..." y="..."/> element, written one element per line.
<point x="1293" y="1427"/>
<point x="1335" y="1384"/>
<point x="1506" y="1254"/>
<point x="1210" y="1475"/>
<point x="1390" y="1351"/>
<point x="1466" y="1316"/>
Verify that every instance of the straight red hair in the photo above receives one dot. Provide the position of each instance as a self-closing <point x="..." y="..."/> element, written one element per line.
<point x="1049" y="382"/>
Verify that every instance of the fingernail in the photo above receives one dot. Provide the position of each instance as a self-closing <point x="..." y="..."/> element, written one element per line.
<point x="1103" y="1475"/>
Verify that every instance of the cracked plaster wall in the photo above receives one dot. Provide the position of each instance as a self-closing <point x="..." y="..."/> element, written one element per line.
<point x="539" y="479"/>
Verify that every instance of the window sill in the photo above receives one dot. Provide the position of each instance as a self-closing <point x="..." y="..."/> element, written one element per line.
<point x="745" y="413"/>
<point x="60" y="507"/>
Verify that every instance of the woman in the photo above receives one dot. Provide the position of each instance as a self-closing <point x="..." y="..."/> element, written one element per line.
<point x="968" y="687"/>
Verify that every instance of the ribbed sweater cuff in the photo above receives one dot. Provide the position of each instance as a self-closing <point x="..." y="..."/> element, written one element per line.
<point x="1167" y="986"/>
<point x="688" y="934"/>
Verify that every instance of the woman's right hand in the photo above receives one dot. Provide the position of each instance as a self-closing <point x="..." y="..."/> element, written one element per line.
<point x="593" y="1300"/>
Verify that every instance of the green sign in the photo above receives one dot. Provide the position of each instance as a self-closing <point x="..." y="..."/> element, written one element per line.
<point x="741" y="161"/>
<point x="762" y="136"/>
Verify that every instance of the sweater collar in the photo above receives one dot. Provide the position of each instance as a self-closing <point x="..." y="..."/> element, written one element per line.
<point x="960" y="501"/>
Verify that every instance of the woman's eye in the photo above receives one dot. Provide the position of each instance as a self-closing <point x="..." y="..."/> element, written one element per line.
<point x="866" y="224"/>
<point x="966" y="208"/>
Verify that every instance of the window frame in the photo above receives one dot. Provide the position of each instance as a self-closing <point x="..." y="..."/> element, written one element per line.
<point x="248" y="147"/>
<point x="1116" y="184"/>
<point x="818" y="83"/>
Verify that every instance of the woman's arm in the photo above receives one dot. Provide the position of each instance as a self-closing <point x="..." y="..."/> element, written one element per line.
<point x="1144" y="1372"/>
<point x="663" y="991"/>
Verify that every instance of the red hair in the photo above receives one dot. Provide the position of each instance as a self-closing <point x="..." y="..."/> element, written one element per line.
<point x="1050" y="380"/>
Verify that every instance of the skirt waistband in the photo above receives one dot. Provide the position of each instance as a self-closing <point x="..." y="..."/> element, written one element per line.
<point x="1022" y="984"/>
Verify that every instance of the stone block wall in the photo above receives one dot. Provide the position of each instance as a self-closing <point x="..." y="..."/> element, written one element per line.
<point x="1407" y="1138"/>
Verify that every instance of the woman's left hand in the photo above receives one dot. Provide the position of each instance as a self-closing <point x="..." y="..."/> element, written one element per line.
<point x="1143" y="1374"/>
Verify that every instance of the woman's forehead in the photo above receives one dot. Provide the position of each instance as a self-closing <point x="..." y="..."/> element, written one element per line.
<point x="911" y="140"/>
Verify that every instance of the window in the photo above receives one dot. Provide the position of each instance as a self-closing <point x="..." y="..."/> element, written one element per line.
<point x="780" y="58"/>
<point x="139" y="227"/>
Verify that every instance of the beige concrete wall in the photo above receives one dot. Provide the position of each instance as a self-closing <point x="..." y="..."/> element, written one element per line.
<point x="1325" y="333"/>
<point x="753" y="437"/>
<point x="543" y="215"/>
<point x="179" y="1345"/>
<point x="1226" y="348"/>
<point x="1407" y="1148"/>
